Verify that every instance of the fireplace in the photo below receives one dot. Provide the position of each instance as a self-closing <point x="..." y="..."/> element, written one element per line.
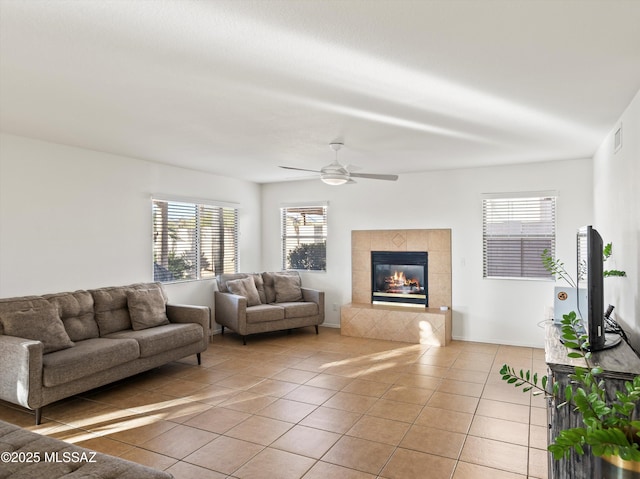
<point x="399" y="277"/>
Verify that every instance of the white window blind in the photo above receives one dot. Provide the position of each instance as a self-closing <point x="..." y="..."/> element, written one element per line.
<point x="304" y="237"/>
<point x="515" y="233"/>
<point x="193" y="241"/>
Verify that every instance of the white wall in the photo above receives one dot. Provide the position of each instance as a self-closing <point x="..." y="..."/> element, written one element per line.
<point x="77" y="219"/>
<point x="617" y="217"/>
<point x="500" y="311"/>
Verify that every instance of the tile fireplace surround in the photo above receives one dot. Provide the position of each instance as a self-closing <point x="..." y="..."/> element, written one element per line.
<point x="400" y="323"/>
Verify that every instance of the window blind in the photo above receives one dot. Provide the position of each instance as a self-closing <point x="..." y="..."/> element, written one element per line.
<point x="515" y="233"/>
<point x="304" y="237"/>
<point x="193" y="241"/>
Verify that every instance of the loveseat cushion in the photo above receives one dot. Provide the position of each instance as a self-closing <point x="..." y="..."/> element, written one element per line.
<point x="245" y="287"/>
<point x="86" y="358"/>
<point x="269" y="286"/>
<point x="147" y="308"/>
<point x="224" y="278"/>
<point x="76" y="311"/>
<point x="39" y="321"/>
<point x="157" y="340"/>
<point x="287" y="288"/>
<point x="264" y="312"/>
<point x="299" y="309"/>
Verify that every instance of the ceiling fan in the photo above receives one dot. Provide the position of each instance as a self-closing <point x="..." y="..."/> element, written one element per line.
<point x="337" y="174"/>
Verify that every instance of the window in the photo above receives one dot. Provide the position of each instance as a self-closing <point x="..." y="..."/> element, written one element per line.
<point x="516" y="230"/>
<point x="193" y="241"/>
<point x="304" y="237"/>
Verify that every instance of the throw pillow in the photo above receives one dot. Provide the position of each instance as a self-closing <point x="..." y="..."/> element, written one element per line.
<point x="245" y="287"/>
<point x="146" y="308"/>
<point x="40" y="324"/>
<point x="287" y="288"/>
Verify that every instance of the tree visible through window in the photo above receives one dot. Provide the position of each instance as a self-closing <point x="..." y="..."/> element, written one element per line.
<point x="193" y="241"/>
<point x="515" y="233"/>
<point x="304" y="237"/>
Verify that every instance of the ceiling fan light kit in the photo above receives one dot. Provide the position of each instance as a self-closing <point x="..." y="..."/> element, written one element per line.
<point x="336" y="174"/>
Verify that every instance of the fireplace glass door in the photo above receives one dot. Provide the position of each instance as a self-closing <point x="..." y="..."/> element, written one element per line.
<point x="399" y="277"/>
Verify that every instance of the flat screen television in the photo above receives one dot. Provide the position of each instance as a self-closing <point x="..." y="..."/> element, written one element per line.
<point x="590" y="302"/>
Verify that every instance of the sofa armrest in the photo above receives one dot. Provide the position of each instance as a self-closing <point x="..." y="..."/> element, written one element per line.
<point x="231" y="311"/>
<point x="188" y="313"/>
<point x="315" y="296"/>
<point x="21" y="371"/>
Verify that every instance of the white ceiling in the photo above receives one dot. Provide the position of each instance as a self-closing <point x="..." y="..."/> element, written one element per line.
<point x="237" y="88"/>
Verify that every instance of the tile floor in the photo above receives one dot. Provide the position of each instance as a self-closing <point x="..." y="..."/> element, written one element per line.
<point x="326" y="406"/>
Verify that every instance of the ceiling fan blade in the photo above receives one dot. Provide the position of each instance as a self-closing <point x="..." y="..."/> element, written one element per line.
<point x="299" y="169"/>
<point x="375" y="177"/>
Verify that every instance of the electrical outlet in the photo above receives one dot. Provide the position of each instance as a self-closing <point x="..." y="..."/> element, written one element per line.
<point x="335" y="306"/>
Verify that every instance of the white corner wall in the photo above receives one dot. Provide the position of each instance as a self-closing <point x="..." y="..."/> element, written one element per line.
<point x="500" y="311"/>
<point x="617" y="217"/>
<point x="77" y="219"/>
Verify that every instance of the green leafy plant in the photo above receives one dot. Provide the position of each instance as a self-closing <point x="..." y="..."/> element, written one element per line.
<point x="609" y="427"/>
<point x="606" y="253"/>
<point x="309" y="256"/>
<point x="556" y="267"/>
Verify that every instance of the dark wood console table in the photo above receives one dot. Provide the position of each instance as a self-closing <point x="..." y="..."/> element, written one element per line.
<point x="619" y="364"/>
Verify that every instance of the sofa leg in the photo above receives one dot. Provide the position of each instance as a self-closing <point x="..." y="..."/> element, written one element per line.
<point x="316" y="329"/>
<point x="199" y="359"/>
<point x="222" y="331"/>
<point x="244" y="340"/>
<point x="38" y="416"/>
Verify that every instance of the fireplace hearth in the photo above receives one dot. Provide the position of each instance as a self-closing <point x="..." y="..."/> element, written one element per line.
<point x="399" y="277"/>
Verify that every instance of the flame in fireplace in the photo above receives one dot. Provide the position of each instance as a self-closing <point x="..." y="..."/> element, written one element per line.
<point x="399" y="279"/>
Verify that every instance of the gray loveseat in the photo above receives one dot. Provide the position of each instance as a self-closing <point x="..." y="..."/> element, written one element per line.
<point x="58" y="345"/>
<point x="250" y="303"/>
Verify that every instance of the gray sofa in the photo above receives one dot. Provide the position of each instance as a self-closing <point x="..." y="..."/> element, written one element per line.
<point x="58" y="345"/>
<point x="30" y="455"/>
<point x="250" y="303"/>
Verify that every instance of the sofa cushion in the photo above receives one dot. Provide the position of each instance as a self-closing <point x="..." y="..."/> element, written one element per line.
<point x="287" y="288"/>
<point x="86" y="358"/>
<point x="269" y="286"/>
<point x="299" y="309"/>
<point x="76" y="311"/>
<point x="245" y="287"/>
<point x="41" y="323"/>
<point x="111" y="309"/>
<point x="147" y="308"/>
<point x="264" y="312"/>
<point x="157" y="340"/>
<point x="257" y="279"/>
<point x="8" y="305"/>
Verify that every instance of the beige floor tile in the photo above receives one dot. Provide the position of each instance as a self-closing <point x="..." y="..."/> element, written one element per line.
<point x="273" y="387"/>
<point x="419" y="381"/>
<point x="503" y="410"/>
<point x="179" y="442"/>
<point x="506" y="393"/>
<point x="462" y="388"/>
<point x="218" y="419"/>
<point x="105" y="446"/>
<point x="310" y="394"/>
<point x="296" y="376"/>
<point x="224" y="454"/>
<point x="207" y="376"/>
<point x="408" y="394"/>
<point x="240" y="381"/>
<point x="427" y="370"/>
<point x="467" y="376"/>
<point x="465" y="470"/>
<point x="473" y="365"/>
<point x="287" y="410"/>
<point x="214" y="394"/>
<point x="149" y="458"/>
<point x="350" y="402"/>
<point x="359" y="454"/>
<point x="433" y="441"/>
<point x="329" y="381"/>
<point x="366" y="388"/>
<point x="137" y="430"/>
<point x="495" y="454"/>
<point x="258" y="429"/>
<point x="325" y="470"/>
<point x="408" y="464"/>
<point x="538" y="416"/>
<point x="453" y="421"/>
<point x="500" y="430"/>
<point x="453" y="402"/>
<point x="180" y="388"/>
<point x="306" y="441"/>
<point x="379" y="429"/>
<point x="184" y="470"/>
<point x="333" y="420"/>
<point x="273" y="463"/>
<point x="395" y="410"/>
<point x="247" y="401"/>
